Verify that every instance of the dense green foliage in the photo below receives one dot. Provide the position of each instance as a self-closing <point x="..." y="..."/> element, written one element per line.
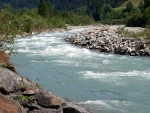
<point x="27" y="16"/>
<point x="38" y="19"/>
<point x="129" y="7"/>
<point x="43" y="9"/>
<point x="93" y="8"/>
<point x="75" y="12"/>
<point x="60" y="4"/>
<point x="140" y="17"/>
<point x="44" y="16"/>
<point x="147" y="3"/>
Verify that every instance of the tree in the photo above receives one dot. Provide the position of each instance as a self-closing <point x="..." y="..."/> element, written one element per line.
<point x="107" y="8"/>
<point x="50" y="11"/>
<point x="147" y="15"/>
<point x="129" y="7"/>
<point x="136" y="20"/>
<point x="7" y="7"/>
<point x="95" y="10"/>
<point x="141" y="5"/>
<point x="146" y="4"/>
<point x="43" y="9"/>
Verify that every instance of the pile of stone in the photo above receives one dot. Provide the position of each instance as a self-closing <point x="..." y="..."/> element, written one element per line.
<point x="19" y="95"/>
<point x="110" y="41"/>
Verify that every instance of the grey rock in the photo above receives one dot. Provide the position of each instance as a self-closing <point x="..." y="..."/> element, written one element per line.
<point x="72" y="108"/>
<point x="9" y="81"/>
<point x="29" y="92"/>
<point x="48" y="99"/>
<point x="110" y="41"/>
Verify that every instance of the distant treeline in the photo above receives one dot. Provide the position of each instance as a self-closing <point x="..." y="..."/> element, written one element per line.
<point x="43" y="17"/>
<point x="130" y="16"/>
<point x="78" y="12"/>
<point x="59" y="4"/>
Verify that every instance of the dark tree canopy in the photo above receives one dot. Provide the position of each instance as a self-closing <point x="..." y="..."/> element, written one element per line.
<point x="129" y="7"/>
<point x="50" y="10"/>
<point x="43" y="9"/>
<point x="59" y="4"/>
<point x="147" y="3"/>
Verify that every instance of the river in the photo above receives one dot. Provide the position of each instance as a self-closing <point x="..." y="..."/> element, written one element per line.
<point x="100" y="82"/>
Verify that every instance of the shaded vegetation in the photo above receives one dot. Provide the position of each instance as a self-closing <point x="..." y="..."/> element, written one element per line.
<point x="47" y="14"/>
<point x="43" y="17"/>
<point x="144" y="34"/>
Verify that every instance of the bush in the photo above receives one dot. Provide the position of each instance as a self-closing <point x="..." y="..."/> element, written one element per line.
<point x="57" y="22"/>
<point x="24" y="100"/>
<point x="113" y="21"/>
<point x="136" y="20"/>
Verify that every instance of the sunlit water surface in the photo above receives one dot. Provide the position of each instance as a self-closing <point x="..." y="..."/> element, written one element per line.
<point x="100" y="82"/>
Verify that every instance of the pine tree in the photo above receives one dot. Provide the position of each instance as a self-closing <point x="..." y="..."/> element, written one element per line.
<point x="141" y="5"/>
<point x="50" y="11"/>
<point x="147" y="3"/>
<point x="43" y="9"/>
<point x="129" y="7"/>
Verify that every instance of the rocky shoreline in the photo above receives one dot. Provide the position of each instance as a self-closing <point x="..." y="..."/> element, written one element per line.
<point x="42" y="31"/>
<point x="110" y="41"/>
<point x="19" y="95"/>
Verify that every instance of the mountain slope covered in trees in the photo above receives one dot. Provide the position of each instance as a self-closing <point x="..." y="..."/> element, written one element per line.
<point x="100" y="10"/>
<point x="60" y="4"/>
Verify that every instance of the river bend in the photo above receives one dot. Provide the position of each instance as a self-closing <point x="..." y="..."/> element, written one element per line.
<point x="100" y="82"/>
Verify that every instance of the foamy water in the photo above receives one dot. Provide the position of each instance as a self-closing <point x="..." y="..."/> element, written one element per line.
<point x="100" y="82"/>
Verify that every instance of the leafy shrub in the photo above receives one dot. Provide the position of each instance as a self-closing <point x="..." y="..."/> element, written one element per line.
<point x="24" y="100"/>
<point x="136" y="20"/>
<point x="56" y="21"/>
<point x="113" y="21"/>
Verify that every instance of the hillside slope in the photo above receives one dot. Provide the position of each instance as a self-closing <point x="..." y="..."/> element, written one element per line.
<point x="60" y="4"/>
<point x="135" y="3"/>
<point x="123" y="5"/>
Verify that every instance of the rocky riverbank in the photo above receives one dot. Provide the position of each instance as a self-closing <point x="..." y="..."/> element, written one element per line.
<point x="110" y="41"/>
<point x="41" y="31"/>
<point x="19" y="95"/>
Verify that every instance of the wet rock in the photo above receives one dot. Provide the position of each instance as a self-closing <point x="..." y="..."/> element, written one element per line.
<point x="29" y="92"/>
<point x="35" y="99"/>
<point x="19" y="91"/>
<point x="72" y="108"/>
<point x="147" y="51"/>
<point x="32" y="106"/>
<point x="47" y="99"/>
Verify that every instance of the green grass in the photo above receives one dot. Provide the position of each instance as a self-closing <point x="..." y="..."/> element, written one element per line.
<point x="81" y="10"/>
<point x="123" y="6"/>
<point x="119" y="8"/>
<point x="135" y="3"/>
<point x="145" y="34"/>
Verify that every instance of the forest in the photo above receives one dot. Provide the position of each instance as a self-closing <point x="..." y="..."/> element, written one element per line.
<point x="59" y="4"/>
<point x="43" y="17"/>
<point x="19" y="16"/>
<point x="104" y="11"/>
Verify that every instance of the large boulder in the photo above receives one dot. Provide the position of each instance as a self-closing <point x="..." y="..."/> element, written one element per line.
<point x="9" y="81"/>
<point x="47" y="99"/>
<point x="72" y="108"/>
<point x="147" y="51"/>
<point x="5" y="61"/>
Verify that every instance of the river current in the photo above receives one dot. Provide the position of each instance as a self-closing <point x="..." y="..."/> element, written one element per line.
<point x="100" y="82"/>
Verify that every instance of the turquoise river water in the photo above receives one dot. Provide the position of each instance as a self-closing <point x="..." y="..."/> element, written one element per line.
<point x="100" y="82"/>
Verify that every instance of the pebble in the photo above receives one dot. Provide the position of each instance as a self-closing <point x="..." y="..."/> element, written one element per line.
<point x="109" y="41"/>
